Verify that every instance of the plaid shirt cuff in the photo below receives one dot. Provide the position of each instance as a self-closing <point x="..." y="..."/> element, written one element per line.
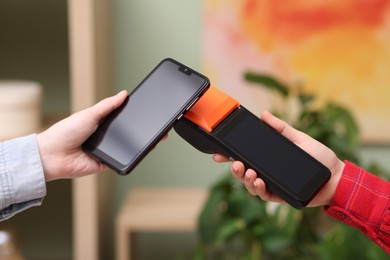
<point x="362" y="201"/>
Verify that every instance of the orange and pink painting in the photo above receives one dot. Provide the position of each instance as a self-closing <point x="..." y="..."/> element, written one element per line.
<point x="338" y="50"/>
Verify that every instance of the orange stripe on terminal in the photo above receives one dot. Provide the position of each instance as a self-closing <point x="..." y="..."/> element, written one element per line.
<point x="211" y="109"/>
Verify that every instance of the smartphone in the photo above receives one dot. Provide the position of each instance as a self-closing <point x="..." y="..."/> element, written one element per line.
<point x="126" y="136"/>
<point x="219" y="124"/>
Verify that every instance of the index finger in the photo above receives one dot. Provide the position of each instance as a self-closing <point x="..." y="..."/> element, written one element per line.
<point x="220" y="158"/>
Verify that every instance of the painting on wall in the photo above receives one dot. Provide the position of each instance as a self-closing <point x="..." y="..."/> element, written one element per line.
<point x="338" y="50"/>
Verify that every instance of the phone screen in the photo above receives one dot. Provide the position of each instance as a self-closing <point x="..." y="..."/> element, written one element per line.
<point x="270" y="153"/>
<point x="146" y="116"/>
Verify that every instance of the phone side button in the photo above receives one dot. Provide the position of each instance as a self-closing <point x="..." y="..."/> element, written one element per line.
<point x="180" y="117"/>
<point x="193" y="102"/>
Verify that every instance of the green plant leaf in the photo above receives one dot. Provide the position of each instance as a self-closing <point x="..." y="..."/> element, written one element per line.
<point x="305" y="99"/>
<point x="277" y="242"/>
<point x="343" y="123"/>
<point x="243" y="205"/>
<point x="229" y="229"/>
<point x="211" y="217"/>
<point x="268" y="82"/>
<point x="345" y="242"/>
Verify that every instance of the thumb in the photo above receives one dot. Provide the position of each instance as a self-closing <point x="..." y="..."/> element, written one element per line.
<point x="281" y="126"/>
<point x="107" y="105"/>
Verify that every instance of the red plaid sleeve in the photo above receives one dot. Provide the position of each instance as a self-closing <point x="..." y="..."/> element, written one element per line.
<point x="362" y="201"/>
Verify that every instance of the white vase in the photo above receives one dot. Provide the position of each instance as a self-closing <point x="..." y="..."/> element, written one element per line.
<point x="20" y="108"/>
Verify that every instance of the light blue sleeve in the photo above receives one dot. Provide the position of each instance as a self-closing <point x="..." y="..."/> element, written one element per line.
<point x="22" y="181"/>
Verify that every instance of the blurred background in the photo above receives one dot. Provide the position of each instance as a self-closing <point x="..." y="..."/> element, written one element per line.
<point x="318" y="48"/>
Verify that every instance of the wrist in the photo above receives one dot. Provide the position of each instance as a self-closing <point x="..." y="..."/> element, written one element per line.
<point x="336" y="171"/>
<point x="44" y="156"/>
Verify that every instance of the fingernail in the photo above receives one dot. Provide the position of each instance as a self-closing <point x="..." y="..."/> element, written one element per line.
<point x="234" y="168"/>
<point x="120" y="92"/>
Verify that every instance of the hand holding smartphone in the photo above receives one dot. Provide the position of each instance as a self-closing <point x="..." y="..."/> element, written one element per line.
<point x="219" y="124"/>
<point x="126" y="136"/>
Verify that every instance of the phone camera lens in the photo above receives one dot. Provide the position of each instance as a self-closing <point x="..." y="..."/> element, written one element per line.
<point x="185" y="70"/>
